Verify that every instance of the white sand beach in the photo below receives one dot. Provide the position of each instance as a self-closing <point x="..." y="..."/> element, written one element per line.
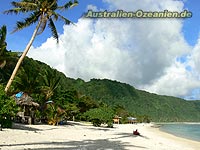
<point x="82" y="136"/>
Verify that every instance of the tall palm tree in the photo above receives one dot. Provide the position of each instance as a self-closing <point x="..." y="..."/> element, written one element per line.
<point x="42" y="12"/>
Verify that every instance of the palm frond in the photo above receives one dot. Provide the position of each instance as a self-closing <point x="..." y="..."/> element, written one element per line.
<point x="25" y="5"/>
<point x="55" y="16"/>
<point x="68" y="5"/>
<point x="75" y="3"/>
<point x="50" y="83"/>
<point x="43" y="25"/>
<point x="53" y="29"/>
<point x="21" y="7"/>
<point x="55" y="83"/>
<point x="33" y="17"/>
<point x="3" y="32"/>
<point x="3" y="44"/>
<point x="66" y="21"/>
<point x="53" y="5"/>
<point x="14" y="11"/>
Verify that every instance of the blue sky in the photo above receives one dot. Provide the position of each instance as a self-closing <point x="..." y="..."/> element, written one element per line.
<point x="191" y="26"/>
<point x="159" y="55"/>
<point x="24" y="35"/>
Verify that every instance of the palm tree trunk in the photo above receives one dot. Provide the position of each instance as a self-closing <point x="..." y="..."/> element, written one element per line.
<point x="22" y="57"/>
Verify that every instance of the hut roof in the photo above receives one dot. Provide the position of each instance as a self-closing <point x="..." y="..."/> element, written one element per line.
<point x="117" y="117"/>
<point x="132" y="118"/>
<point x="24" y="99"/>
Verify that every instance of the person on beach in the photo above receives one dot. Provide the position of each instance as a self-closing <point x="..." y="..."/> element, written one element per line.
<point x="136" y="132"/>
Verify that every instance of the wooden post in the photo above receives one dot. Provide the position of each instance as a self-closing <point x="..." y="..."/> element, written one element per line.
<point x="29" y="120"/>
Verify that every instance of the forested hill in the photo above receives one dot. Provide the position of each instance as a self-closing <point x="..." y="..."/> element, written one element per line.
<point x="113" y="93"/>
<point x="159" y="108"/>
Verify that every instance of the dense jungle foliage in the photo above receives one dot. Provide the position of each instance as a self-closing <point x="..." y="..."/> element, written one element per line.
<point x="76" y="97"/>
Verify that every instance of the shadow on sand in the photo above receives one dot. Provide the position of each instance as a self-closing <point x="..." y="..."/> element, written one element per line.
<point x="99" y="144"/>
<point x="20" y="126"/>
<point x="76" y="145"/>
<point x="124" y="135"/>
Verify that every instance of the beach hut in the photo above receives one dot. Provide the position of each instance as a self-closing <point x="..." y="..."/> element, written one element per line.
<point x="116" y="119"/>
<point x="132" y="120"/>
<point x="28" y="108"/>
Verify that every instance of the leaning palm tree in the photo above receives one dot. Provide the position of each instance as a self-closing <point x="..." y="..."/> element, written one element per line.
<point x="42" y="12"/>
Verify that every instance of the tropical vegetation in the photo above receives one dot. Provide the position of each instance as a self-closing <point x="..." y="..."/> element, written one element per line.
<point x="3" y="44"/>
<point x="8" y="109"/>
<point x="101" y="115"/>
<point x="97" y="100"/>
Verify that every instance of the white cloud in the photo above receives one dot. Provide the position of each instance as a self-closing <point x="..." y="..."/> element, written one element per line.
<point x="194" y="59"/>
<point x="92" y="7"/>
<point x="152" y="5"/>
<point x="49" y="52"/>
<point x="141" y="52"/>
<point x="176" y="81"/>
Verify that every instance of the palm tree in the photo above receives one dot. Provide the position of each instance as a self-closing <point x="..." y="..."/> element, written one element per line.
<point x="42" y="12"/>
<point x="50" y="83"/>
<point x="3" y="44"/>
<point x="26" y="80"/>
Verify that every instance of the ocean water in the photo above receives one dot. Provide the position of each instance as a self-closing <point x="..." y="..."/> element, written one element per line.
<point x="185" y="130"/>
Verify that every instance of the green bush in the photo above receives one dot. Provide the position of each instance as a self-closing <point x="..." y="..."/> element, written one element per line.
<point x="6" y="122"/>
<point x="8" y="109"/>
<point x="102" y="115"/>
<point x="96" y="122"/>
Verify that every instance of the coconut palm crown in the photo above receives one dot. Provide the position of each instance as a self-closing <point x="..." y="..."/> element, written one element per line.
<point x="42" y="12"/>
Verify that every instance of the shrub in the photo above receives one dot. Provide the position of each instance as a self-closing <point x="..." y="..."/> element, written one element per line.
<point x="102" y="115"/>
<point x="8" y="109"/>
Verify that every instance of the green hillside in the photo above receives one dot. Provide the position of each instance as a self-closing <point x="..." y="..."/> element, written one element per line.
<point x="159" y="108"/>
<point x="113" y="93"/>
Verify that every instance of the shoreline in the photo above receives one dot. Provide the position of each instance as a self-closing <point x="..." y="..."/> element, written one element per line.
<point x="178" y="134"/>
<point x="178" y="138"/>
<point x="157" y="123"/>
<point x="82" y="136"/>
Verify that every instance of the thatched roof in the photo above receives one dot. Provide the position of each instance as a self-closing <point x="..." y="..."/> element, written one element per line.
<point x="117" y="117"/>
<point x="25" y="100"/>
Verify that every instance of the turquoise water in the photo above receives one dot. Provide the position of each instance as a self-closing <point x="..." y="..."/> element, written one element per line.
<point x="189" y="131"/>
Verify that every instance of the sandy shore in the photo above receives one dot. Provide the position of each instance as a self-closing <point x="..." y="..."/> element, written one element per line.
<point x="81" y="136"/>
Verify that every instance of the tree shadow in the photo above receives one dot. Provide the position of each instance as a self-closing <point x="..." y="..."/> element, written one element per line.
<point x="100" y="144"/>
<point x="124" y="135"/>
<point x="100" y="128"/>
<point x="19" y="126"/>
